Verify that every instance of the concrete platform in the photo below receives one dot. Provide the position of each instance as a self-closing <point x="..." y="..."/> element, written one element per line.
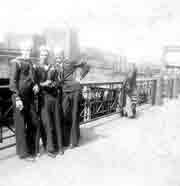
<point x="113" y="151"/>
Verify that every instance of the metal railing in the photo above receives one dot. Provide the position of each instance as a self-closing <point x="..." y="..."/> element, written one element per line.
<point x="98" y="100"/>
<point x="146" y="91"/>
<point x="6" y="116"/>
<point x="101" y="99"/>
<point x="170" y="87"/>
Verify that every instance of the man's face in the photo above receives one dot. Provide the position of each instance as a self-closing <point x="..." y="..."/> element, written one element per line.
<point x="43" y="56"/>
<point x="58" y="59"/>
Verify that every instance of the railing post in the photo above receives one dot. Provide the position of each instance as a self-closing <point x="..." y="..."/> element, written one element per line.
<point x="87" y="111"/>
<point x="154" y="87"/>
<point x="168" y="89"/>
<point x="1" y="137"/>
<point x="178" y="85"/>
<point x="171" y="88"/>
<point x="118" y="92"/>
<point x="175" y="87"/>
<point x="159" y="90"/>
<point x="1" y="128"/>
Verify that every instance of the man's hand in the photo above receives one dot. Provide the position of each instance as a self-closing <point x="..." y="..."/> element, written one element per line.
<point x="46" y="83"/>
<point x="19" y="104"/>
<point x="78" y="78"/>
<point x="36" y="89"/>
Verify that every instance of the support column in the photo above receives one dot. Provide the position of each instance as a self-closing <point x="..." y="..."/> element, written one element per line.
<point x="175" y="87"/>
<point x="159" y="90"/>
<point x="154" y="89"/>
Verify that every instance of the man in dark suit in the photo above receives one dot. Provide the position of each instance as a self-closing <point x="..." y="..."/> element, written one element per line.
<point x="48" y="82"/>
<point x="71" y="98"/>
<point x="25" y="117"/>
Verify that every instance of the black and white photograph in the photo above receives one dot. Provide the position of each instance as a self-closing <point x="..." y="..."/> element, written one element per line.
<point x="90" y="93"/>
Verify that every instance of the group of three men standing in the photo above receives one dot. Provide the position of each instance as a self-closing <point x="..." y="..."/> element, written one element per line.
<point x="46" y="100"/>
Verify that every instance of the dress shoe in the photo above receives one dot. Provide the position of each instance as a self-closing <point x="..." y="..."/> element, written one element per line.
<point x="31" y="158"/>
<point x="71" y="146"/>
<point x="52" y="155"/>
<point x="61" y="152"/>
<point x="121" y="114"/>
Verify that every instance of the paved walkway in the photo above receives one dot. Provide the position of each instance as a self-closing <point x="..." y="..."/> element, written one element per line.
<point x="113" y="151"/>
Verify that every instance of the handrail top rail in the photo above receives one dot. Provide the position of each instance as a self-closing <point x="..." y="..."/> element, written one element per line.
<point x="103" y="83"/>
<point x="115" y="82"/>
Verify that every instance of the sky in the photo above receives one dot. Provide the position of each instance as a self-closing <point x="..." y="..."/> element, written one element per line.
<point x="138" y="29"/>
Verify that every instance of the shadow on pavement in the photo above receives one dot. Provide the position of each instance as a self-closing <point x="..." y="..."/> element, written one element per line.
<point x="89" y="135"/>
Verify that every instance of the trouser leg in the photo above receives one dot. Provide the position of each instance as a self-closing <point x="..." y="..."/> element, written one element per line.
<point x="67" y="117"/>
<point x="33" y="125"/>
<point x="20" y="133"/>
<point x="75" y="128"/>
<point x="41" y="134"/>
<point x="57" y="125"/>
<point x="37" y="141"/>
<point x="47" y="121"/>
<point x="31" y="130"/>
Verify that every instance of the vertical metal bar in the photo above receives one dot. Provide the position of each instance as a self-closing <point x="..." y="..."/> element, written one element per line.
<point x="154" y="89"/>
<point x="159" y="100"/>
<point x="1" y="134"/>
<point x="171" y="88"/>
<point x="89" y="96"/>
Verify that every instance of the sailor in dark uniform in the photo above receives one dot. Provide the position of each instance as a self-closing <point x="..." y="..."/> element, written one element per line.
<point x="25" y="117"/>
<point x="71" y="99"/>
<point x="48" y="82"/>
